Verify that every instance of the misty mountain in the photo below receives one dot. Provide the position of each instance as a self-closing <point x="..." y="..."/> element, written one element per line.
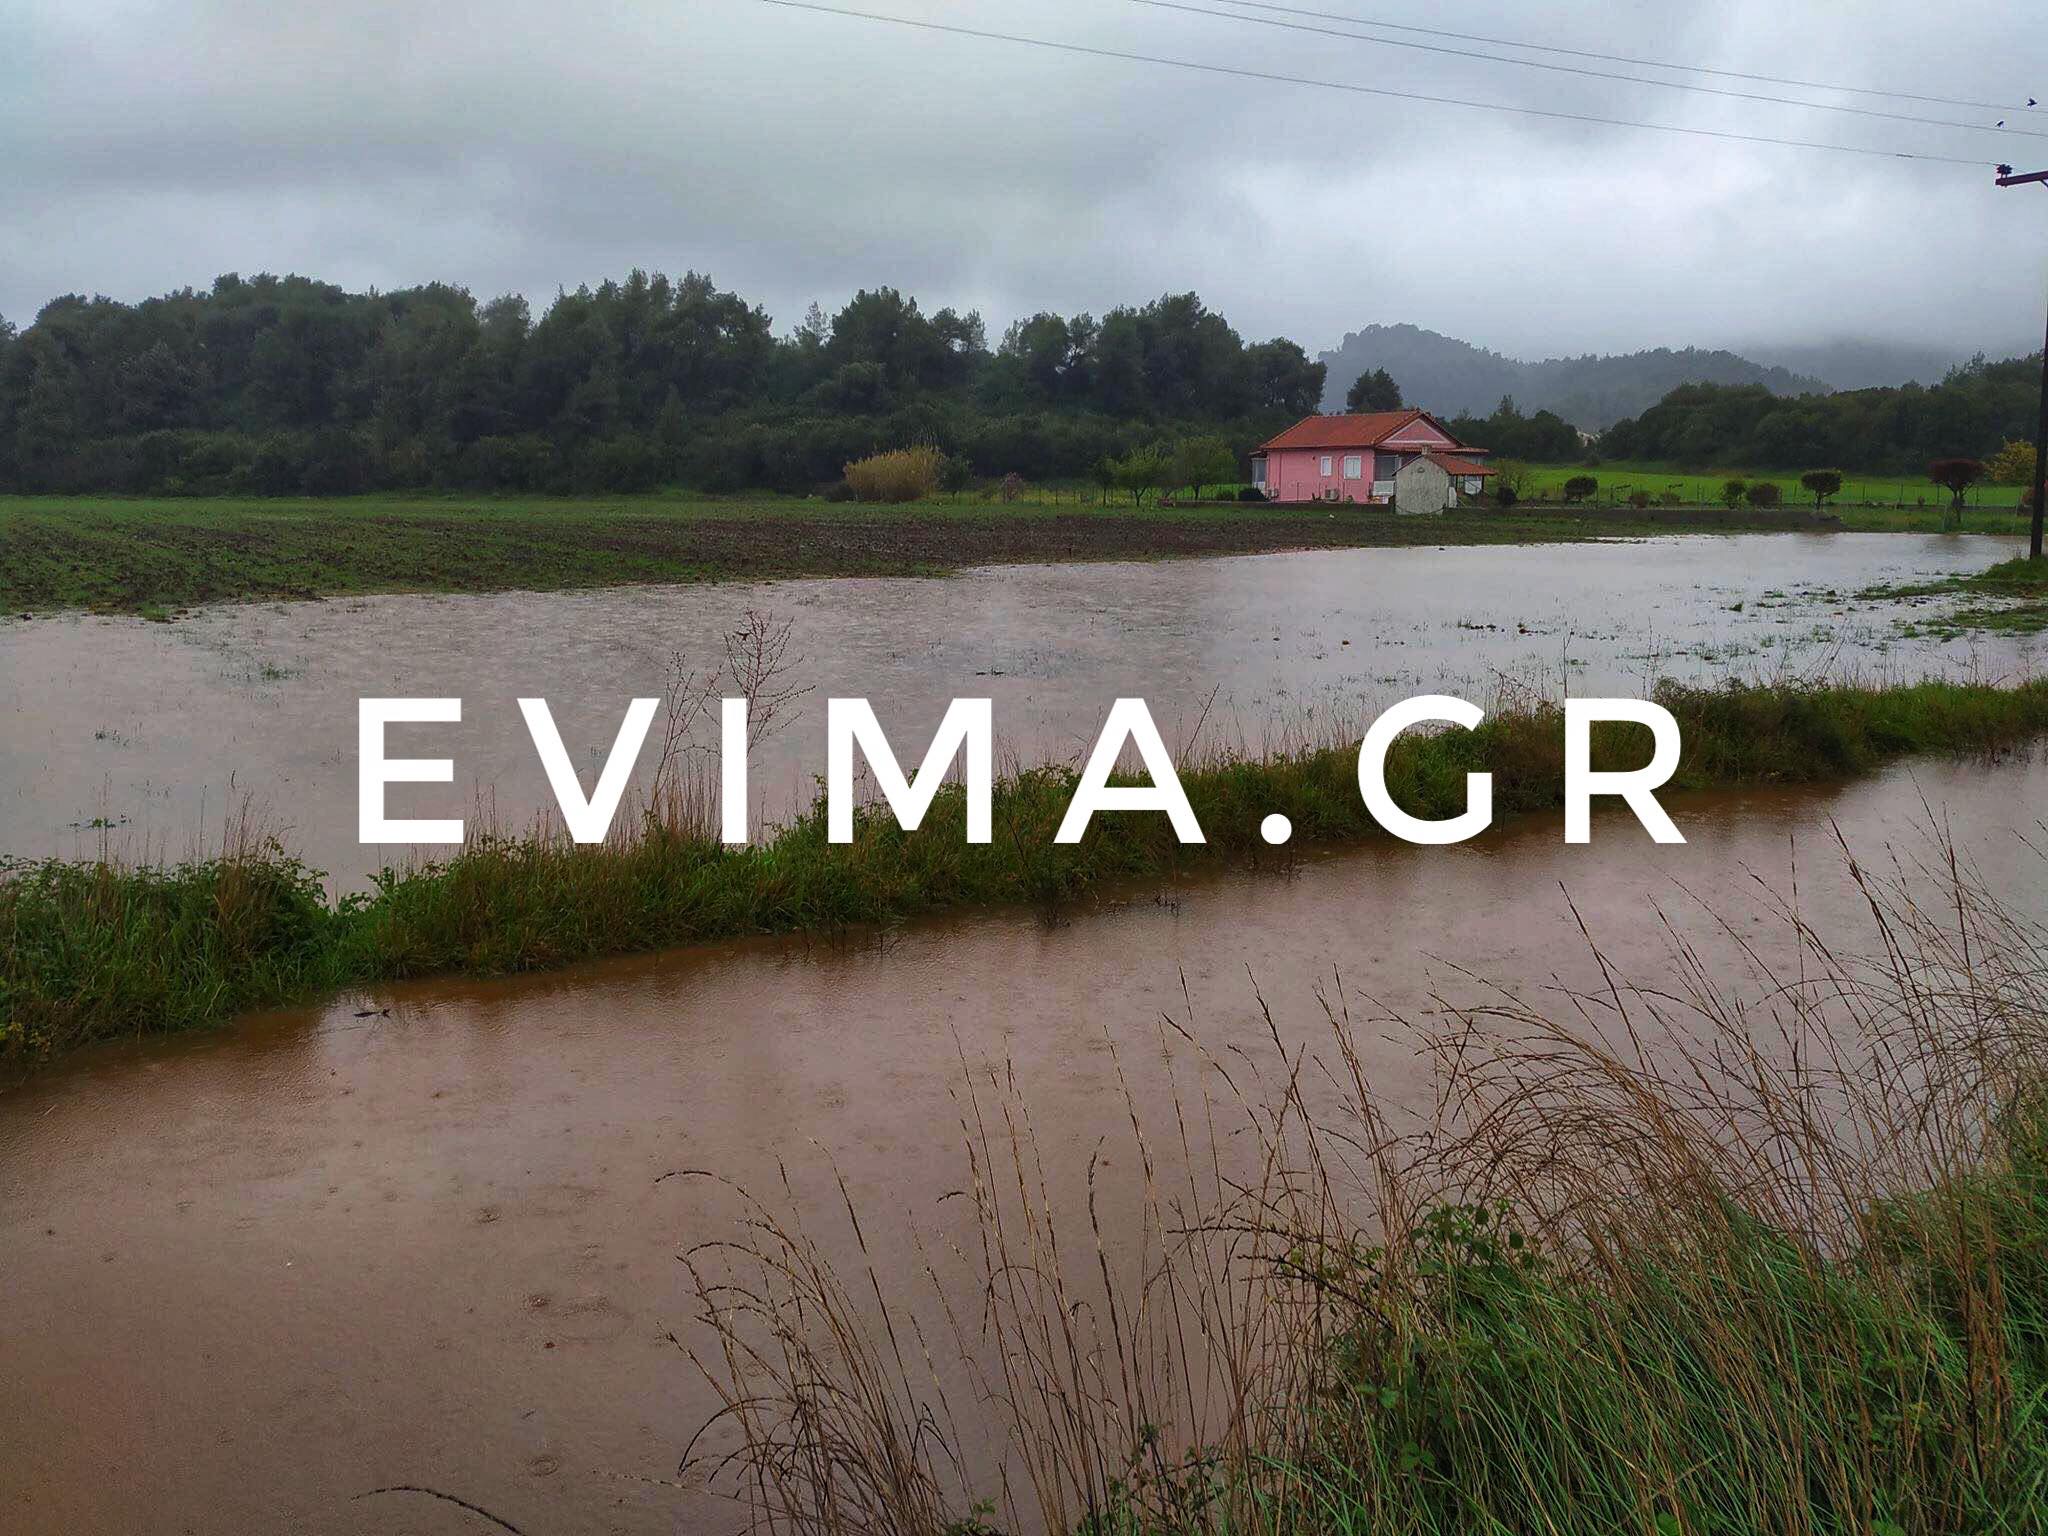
<point x="1852" y="364"/>
<point x="1452" y="377"/>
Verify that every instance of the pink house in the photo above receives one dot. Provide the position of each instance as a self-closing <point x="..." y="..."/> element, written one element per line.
<point x="1355" y="458"/>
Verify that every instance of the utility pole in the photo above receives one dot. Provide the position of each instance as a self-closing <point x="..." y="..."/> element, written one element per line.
<point x="2006" y="178"/>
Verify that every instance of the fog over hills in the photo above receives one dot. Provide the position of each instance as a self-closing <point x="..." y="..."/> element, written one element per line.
<point x="1847" y="363"/>
<point x="1450" y="376"/>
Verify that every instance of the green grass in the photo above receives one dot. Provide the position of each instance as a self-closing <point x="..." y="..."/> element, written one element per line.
<point x="2018" y="590"/>
<point x="156" y="556"/>
<point x="1867" y="502"/>
<point x="2022" y="587"/>
<point x="1712" y="1374"/>
<point x="93" y="951"/>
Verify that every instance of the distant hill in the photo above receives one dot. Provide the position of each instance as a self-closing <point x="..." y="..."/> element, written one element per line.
<point x="1861" y="364"/>
<point x="1452" y="377"/>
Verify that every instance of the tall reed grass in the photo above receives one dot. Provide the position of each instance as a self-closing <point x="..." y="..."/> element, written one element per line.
<point x="95" y="950"/>
<point x="902" y="474"/>
<point x="1681" y="1257"/>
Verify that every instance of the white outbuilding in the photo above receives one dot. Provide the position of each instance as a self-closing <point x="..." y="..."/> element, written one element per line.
<point x="1435" y="482"/>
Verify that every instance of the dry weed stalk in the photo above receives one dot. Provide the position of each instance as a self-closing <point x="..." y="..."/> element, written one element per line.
<point x="755" y="665"/>
<point x="1177" y="1370"/>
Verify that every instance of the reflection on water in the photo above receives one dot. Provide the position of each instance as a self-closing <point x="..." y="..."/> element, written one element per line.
<point x="161" y="728"/>
<point x="252" y="1274"/>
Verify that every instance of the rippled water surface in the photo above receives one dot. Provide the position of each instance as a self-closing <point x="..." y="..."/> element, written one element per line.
<point x="160" y="728"/>
<point x="252" y="1275"/>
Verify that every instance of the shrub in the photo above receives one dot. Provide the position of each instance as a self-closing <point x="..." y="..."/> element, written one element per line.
<point x="1580" y="487"/>
<point x="1505" y="495"/>
<point x="523" y="463"/>
<point x="904" y="474"/>
<point x="1672" y="499"/>
<point x="1512" y="475"/>
<point x="627" y="462"/>
<point x="1251" y="493"/>
<point x="1764" y="493"/>
<point x="2012" y="465"/>
<point x="335" y="462"/>
<point x="274" y="470"/>
<point x="1956" y="476"/>
<point x="1142" y="471"/>
<point x="1733" y="492"/>
<point x="956" y="474"/>
<point x="1198" y="462"/>
<point x="1639" y="499"/>
<point x="1822" y="483"/>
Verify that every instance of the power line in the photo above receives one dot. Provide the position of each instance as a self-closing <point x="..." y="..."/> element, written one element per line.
<point x="1352" y="88"/>
<point x="1580" y="69"/>
<point x="1623" y="58"/>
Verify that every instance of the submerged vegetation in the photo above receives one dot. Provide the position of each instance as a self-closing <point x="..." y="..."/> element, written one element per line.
<point x="155" y="556"/>
<point x="92" y="951"/>
<point x="2010" y="598"/>
<point x="1698" y="1257"/>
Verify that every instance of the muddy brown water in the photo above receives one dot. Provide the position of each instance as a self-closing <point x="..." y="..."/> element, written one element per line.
<point x="250" y="1276"/>
<point x="253" y="1275"/>
<point x="159" y="729"/>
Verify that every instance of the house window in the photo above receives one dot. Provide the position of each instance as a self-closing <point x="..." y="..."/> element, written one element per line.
<point x="1258" y="471"/>
<point x="1326" y="464"/>
<point x="1388" y="467"/>
<point x="1354" y="466"/>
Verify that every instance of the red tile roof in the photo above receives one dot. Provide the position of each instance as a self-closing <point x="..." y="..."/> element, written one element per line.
<point x="1454" y="465"/>
<point x="1366" y="431"/>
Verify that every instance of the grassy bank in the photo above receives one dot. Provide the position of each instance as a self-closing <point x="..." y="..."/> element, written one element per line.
<point x="1728" y="1255"/>
<point x="1906" y="501"/>
<point x="155" y="556"/>
<point x="94" y="952"/>
<point x="2010" y="598"/>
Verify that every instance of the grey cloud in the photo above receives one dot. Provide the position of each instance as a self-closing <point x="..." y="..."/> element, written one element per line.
<point x="795" y="156"/>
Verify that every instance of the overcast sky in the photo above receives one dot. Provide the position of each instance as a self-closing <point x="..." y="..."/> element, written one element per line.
<point x="794" y="156"/>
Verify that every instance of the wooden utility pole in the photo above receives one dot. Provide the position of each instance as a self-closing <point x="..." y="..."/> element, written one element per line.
<point x="2006" y="178"/>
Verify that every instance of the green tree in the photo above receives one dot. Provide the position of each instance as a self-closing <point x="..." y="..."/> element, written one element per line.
<point x="1105" y="476"/>
<point x="1823" y="483"/>
<point x="1374" y="390"/>
<point x="1511" y="476"/>
<point x="1141" y="472"/>
<point x="1732" y="492"/>
<point x="2013" y="464"/>
<point x="956" y="474"/>
<point x="1580" y="487"/>
<point x="1956" y="476"/>
<point x="1203" y="461"/>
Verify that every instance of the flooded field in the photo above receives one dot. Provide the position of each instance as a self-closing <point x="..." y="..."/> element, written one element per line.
<point x="144" y="735"/>
<point x="252" y="1275"/>
<point x="422" y="1238"/>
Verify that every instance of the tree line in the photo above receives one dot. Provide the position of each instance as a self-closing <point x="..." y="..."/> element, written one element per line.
<point x="1971" y="414"/>
<point x="287" y="385"/>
